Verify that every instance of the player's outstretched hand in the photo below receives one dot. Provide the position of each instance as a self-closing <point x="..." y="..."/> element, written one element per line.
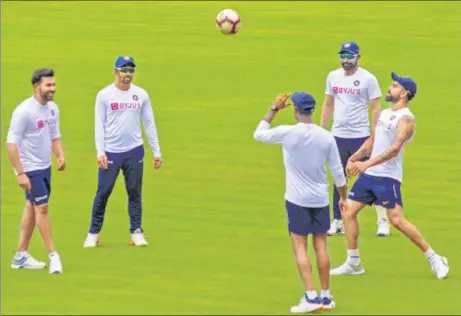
<point x="158" y="162"/>
<point x="102" y="162"/>
<point x="24" y="182"/>
<point x="61" y="163"/>
<point x="281" y="101"/>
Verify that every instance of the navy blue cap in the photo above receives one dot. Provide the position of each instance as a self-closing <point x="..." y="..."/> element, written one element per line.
<point x="303" y="101"/>
<point x="349" y="47"/>
<point x="407" y="83"/>
<point x="122" y="61"/>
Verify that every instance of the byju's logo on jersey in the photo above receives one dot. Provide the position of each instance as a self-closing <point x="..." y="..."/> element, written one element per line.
<point x="117" y="106"/>
<point x="40" y="124"/>
<point x="339" y="90"/>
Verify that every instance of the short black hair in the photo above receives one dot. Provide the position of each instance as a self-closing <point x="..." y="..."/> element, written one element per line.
<point x="40" y="73"/>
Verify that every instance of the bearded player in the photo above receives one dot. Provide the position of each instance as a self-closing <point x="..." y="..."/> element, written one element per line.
<point x="381" y="177"/>
<point x="350" y="92"/>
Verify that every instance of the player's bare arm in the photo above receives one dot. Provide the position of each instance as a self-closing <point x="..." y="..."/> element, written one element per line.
<point x="375" y="106"/>
<point x="13" y="155"/>
<point x="56" y="147"/>
<point x="327" y="110"/>
<point x="405" y="129"/>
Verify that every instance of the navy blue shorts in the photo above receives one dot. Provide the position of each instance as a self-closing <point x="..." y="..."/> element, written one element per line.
<point x="40" y="181"/>
<point x="382" y="191"/>
<point x="307" y="220"/>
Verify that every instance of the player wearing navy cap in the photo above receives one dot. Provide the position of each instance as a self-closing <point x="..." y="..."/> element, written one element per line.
<point x="350" y="91"/>
<point x="119" y="110"/>
<point x="381" y="177"/>
<point x="306" y="149"/>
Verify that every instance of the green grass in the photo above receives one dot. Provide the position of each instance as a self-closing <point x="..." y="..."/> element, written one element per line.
<point x="214" y="214"/>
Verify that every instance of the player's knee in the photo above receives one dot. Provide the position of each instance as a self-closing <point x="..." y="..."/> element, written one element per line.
<point x="397" y="221"/>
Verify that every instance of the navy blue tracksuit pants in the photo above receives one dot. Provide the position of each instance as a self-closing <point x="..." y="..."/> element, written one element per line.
<point x="347" y="147"/>
<point x="131" y="164"/>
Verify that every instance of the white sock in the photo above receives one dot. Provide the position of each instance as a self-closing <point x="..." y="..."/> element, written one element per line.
<point x="311" y="294"/>
<point x="430" y="255"/>
<point x="381" y="213"/>
<point x="22" y="253"/>
<point x="326" y="293"/>
<point x="52" y="254"/>
<point x="353" y="256"/>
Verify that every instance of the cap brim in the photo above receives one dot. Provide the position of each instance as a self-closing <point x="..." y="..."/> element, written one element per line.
<point x="128" y="63"/>
<point x="348" y="51"/>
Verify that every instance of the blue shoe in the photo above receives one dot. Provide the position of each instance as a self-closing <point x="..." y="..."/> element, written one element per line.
<point x="328" y="303"/>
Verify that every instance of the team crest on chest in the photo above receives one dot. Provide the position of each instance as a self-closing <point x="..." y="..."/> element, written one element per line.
<point x="52" y="112"/>
<point x="356" y="83"/>
<point x="392" y="117"/>
<point x="135" y="97"/>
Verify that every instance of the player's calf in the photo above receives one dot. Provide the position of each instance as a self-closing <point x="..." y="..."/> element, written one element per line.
<point x="439" y="264"/>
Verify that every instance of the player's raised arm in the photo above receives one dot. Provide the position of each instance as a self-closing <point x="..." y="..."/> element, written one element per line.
<point x="405" y="129"/>
<point x="99" y="121"/>
<point x="328" y="105"/>
<point x="15" y="135"/>
<point x="263" y="132"/>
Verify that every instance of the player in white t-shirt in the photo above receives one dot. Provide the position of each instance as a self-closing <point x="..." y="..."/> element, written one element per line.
<point x="350" y="91"/>
<point x="307" y="148"/>
<point x="381" y="178"/>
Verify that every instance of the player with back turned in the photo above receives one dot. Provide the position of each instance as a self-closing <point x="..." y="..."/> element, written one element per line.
<point x="381" y="177"/>
<point x="306" y="149"/>
<point x="120" y="107"/>
<point x="350" y="92"/>
<point x="33" y="136"/>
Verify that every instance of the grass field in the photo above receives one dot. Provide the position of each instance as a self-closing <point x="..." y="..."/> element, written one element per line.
<point x="214" y="214"/>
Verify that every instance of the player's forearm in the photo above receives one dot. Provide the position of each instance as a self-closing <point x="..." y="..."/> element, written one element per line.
<point x="13" y="155"/>
<point x="327" y="113"/>
<point x="150" y="128"/>
<point x="342" y="192"/>
<point x="365" y="150"/>
<point x="56" y="147"/>
<point x="269" y="116"/>
<point x="387" y="155"/>
<point x="154" y="143"/>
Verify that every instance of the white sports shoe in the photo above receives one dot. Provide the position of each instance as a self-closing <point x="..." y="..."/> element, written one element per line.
<point x="306" y="306"/>
<point x="440" y="267"/>
<point x="55" y="263"/>
<point x="383" y="228"/>
<point x="91" y="241"/>
<point x="348" y="269"/>
<point x="26" y="261"/>
<point x="137" y="239"/>
<point x="336" y="228"/>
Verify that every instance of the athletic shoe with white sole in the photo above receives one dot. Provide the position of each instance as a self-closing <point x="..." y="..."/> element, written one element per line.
<point x="348" y="269"/>
<point x="137" y="239"/>
<point x="26" y="261"/>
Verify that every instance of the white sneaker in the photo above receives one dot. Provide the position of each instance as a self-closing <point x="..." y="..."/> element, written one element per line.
<point x="348" y="269"/>
<point x="137" y="239"/>
<point x="336" y="228"/>
<point x="383" y="228"/>
<point x="307" y="306"/>
<point x="440" y="267"/>
<point x="55" y="263"/>
<point x="91" y="241"/>
<point x="26" y="261"/>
